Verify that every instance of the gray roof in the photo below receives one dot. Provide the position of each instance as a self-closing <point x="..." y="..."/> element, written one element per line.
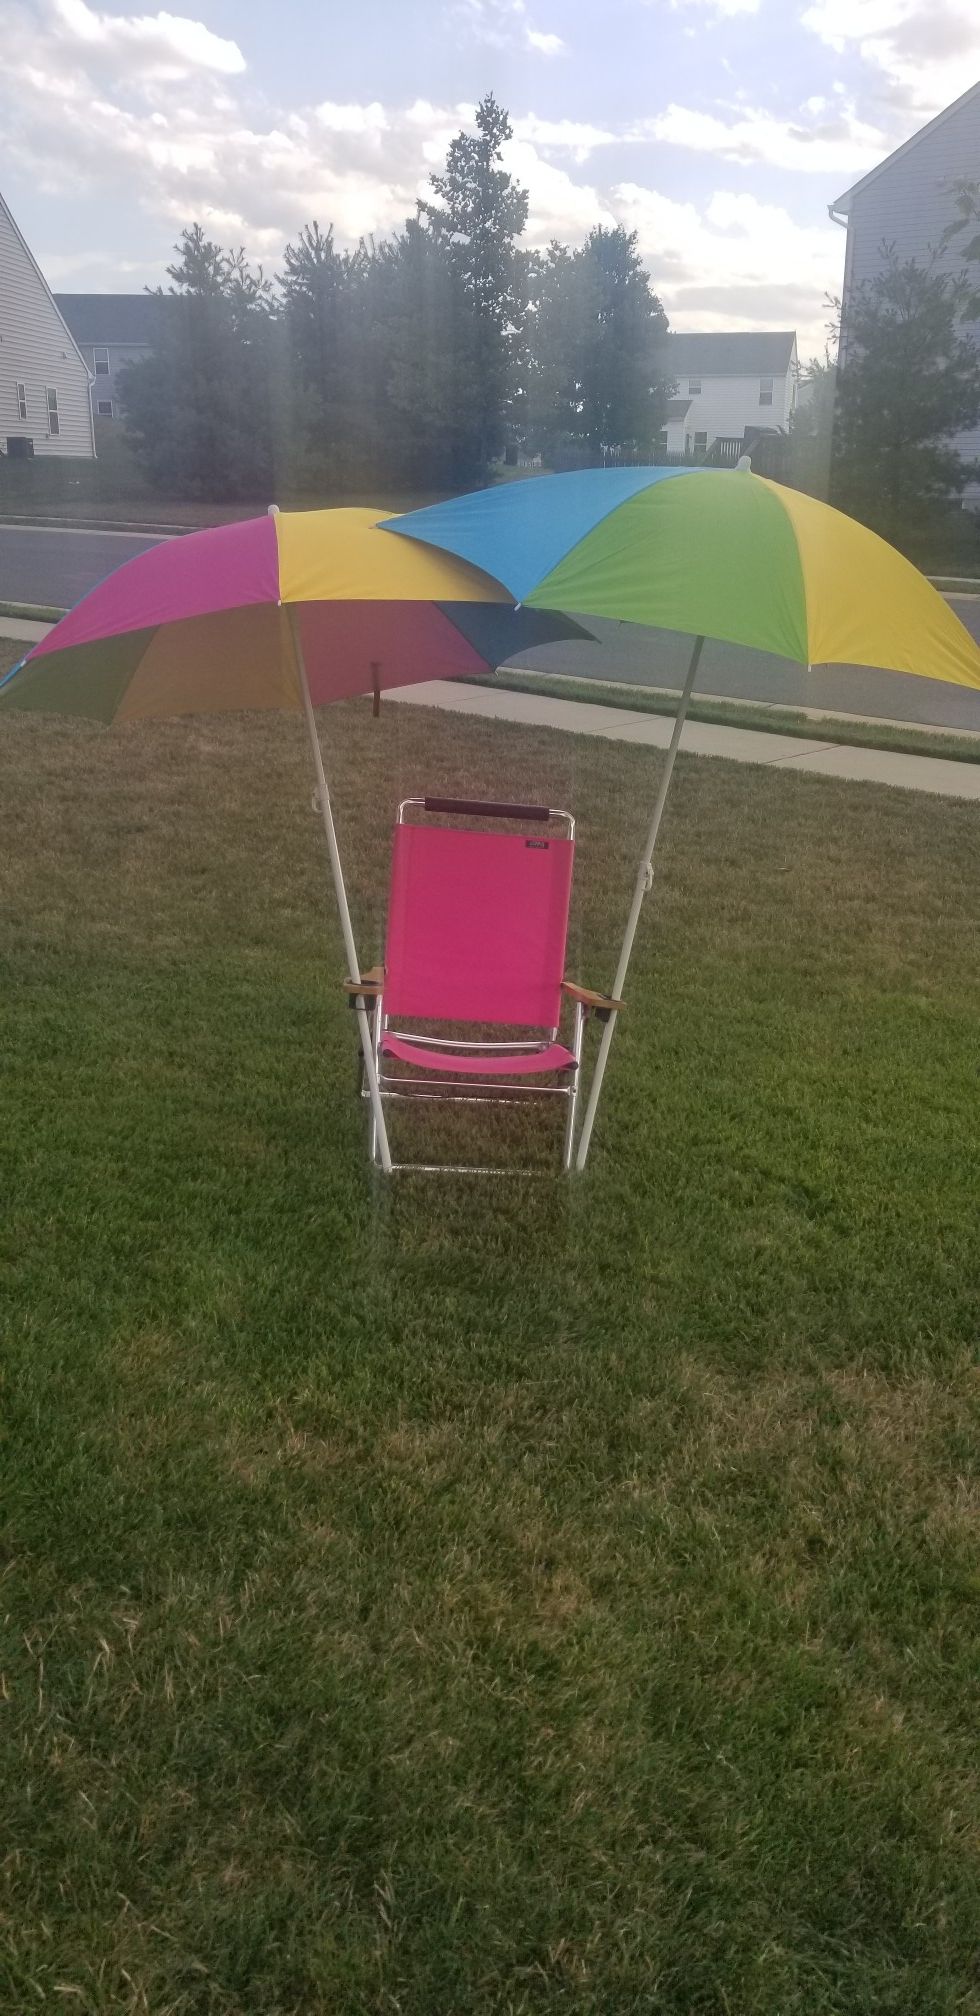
<point x="736" y="353"/>
<point x="676" y="408"/>
<point x="112" y="318"/>
<point x="843" y="203"/>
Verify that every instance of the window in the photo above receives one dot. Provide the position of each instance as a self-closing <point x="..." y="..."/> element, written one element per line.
<point x="105" y="409"/>
<point x="54" y="422"/>
<point x="700" y="442"/>
<point x="765" y="391"/>
<point x="21" y="400"/>
<point x="102" y="363"/>
<point x="693" y="387"/>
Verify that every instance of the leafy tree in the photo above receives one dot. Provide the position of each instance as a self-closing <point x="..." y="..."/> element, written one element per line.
<point x="478" y="215"/>
<point x="811" y="430"/>
<point x="909" y="380"/>
<point x="429" y="342"/>
<point x="200" y="411"/>
<point x="965" y="224"/>
<point x="325" y="331"/>
<point x="596" y="387"/>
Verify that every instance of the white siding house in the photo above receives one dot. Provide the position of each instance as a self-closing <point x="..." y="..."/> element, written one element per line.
<point x="908" y="201"/>
<point x="45" y="407"/>
<point x="727" y="385"/>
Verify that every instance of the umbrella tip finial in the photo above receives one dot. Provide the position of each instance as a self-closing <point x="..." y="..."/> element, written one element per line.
<point x="273" y="511"/>
<point x="744" y="462"/>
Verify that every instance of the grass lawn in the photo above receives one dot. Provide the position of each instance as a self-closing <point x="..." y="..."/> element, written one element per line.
<point x="150" y="509"/>
<point x="466" y="1596"/>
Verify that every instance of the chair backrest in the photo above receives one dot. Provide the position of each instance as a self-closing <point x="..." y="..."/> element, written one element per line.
<point x="477" y="924"/>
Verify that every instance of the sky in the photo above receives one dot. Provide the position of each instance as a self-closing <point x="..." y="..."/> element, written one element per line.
<point x="720" y="130"/>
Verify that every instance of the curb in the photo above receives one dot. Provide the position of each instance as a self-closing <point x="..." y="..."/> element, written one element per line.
<point x="140" y="528"/>
<point x="32" y="612"/>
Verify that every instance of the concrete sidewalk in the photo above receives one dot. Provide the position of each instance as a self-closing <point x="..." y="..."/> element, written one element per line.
<point x="701" y="738"/>
<point x="22" y="632"/>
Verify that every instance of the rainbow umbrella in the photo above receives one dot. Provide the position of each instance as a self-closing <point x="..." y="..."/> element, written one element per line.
<point x="713" y="553"/>
<point x="290" y="610"/>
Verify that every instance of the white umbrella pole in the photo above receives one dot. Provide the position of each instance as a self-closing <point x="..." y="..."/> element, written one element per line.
<point x="336" y="870"/>
<point x="644" y="882"/>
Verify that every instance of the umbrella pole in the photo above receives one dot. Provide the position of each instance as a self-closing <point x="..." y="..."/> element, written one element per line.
<point x="644" y="882"/>
<point x="340" y="890"/>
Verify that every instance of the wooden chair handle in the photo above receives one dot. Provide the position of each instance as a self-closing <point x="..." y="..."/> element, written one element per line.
<point x="588" y="996"/>
<point x="370" y="984"/>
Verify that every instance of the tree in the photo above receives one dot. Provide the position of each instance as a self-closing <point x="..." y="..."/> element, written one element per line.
<point x="909" y="381"/>
<point x="478" y="215"/>
<point x="200" y="269"/>
<point x="595" y="385"/>
<point x="325" y="331"/>
<point x="199" y="411"/>
<point x="811" y="429"/>
<point x="966" y="195"/>
<point x="430" y="345"/>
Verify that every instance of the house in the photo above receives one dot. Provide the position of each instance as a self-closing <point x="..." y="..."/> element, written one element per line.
<point x="907" y="202"/>
<point x="45" y="407"/>
<point x="728" y="384"/>
<point x="111" y="331"/>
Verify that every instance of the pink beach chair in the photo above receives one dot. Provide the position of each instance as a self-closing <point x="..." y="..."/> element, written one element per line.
<point x="477" y="925"/>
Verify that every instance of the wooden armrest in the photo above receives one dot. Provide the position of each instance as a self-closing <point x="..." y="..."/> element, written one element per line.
<point x="370" y="983"/>
<point x="588" y="996"/>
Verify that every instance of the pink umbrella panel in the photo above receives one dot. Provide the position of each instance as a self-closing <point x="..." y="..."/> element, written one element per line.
<point x="290" y="610"/>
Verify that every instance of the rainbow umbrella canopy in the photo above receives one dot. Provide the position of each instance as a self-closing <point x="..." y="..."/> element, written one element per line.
<point x="711" y="552"/>
<point x="290" y="610"/>
<point x="714" y="553"/>
<point x="230" y="618"/>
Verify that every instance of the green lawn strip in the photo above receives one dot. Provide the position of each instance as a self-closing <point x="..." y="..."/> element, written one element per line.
<point x="141" y="512"/>
<point x="738" y="714"/>
<point x="523" y="1596"/>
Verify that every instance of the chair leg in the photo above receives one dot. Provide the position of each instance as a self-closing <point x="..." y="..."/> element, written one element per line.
<point x="573" y="1094"/>
<point x="376" y="1047"/>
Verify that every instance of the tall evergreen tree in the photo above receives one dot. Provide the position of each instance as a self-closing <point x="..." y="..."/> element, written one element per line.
<point x="597" y="385"/>
<point x="200" y="410"/>
<point x="478" y="214"/>
<point x="908" y="382"/>
<point x="428" y="339"/>
<point x="325" y="332"/>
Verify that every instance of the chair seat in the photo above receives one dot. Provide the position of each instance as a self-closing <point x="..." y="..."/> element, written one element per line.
<point x="522" y="1064"/>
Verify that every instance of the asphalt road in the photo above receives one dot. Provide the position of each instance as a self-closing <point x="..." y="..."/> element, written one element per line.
<point x="53" y="568"/>
<point x="56" y="567"/>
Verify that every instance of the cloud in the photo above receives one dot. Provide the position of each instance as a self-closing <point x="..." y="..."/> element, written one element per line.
<point x="736" y="264"/>
<point x="831" y="140"/>
<point x="719" y="6"/>
<point x="504" y="24"/>
<point x="922" y="53"/>
<point x="564" y="136"/>
<point x="545" y="44"/>
<point x="371" y="120"/>
<point x="168" y="45"/>
<point x="96" y="117"/>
